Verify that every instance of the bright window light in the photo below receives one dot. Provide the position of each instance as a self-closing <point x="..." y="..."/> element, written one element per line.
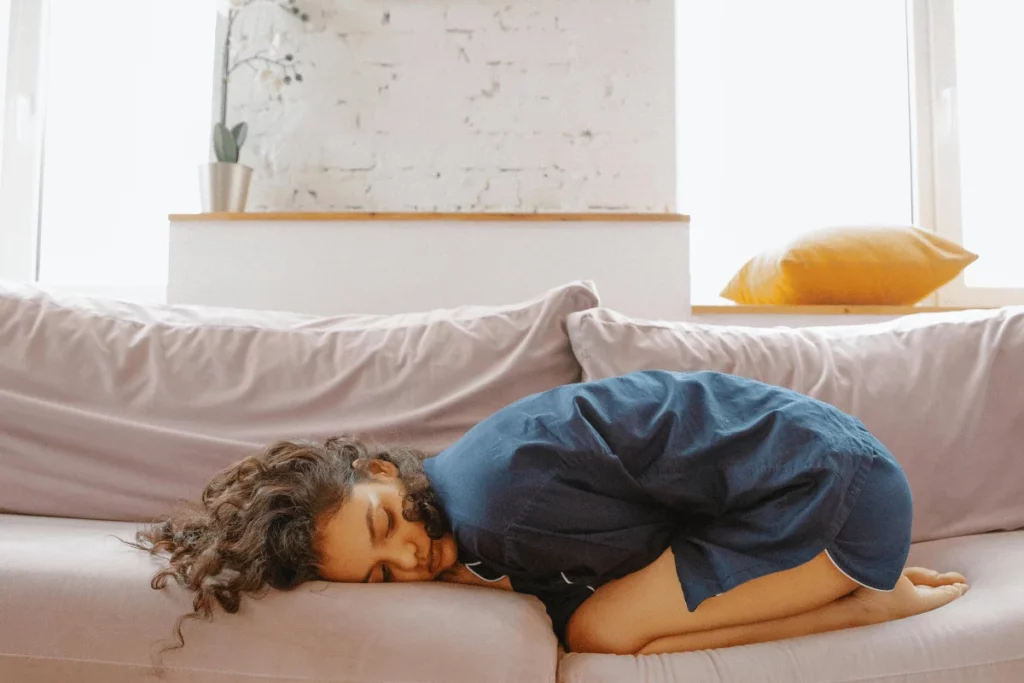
<point x="793" y="115"/>
<point x="5" y="28"/>
<point x="990" y="84"/>
<point x="129" y="88"/>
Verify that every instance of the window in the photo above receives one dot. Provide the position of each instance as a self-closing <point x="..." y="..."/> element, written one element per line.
<point x="796" y="114"/>
<point x="19" y="136"/>
<point x="978" y="60"/>
<point x="5" y="26"/>
<point x="128" y="88"/>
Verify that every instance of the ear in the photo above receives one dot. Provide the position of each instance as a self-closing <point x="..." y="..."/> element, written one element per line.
<point x="381" y="469"/>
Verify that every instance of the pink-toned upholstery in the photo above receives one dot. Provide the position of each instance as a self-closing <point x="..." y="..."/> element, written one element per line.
<point x="76" y="606"/>
<point x="944" y="392"/>
<point x="115" y="411"/>
<point x="977" y="639"/>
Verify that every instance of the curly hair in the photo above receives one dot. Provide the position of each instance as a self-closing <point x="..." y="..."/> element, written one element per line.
<point x="255" y="526"/>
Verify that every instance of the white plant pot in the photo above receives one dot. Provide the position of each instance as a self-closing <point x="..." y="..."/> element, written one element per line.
<point x="224" y="187"/>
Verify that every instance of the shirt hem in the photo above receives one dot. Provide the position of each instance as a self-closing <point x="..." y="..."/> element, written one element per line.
<point x="828" y="554"/>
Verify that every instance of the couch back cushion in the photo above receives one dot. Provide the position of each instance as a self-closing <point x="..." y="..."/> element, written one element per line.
<point x="944" y="392"/>
<point x="112" y="410"/>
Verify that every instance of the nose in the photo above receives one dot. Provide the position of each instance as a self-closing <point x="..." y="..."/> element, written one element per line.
<point x="404" y="556"/>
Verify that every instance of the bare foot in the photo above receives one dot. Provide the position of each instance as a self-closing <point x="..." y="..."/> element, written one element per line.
<point x="918" y="591"/>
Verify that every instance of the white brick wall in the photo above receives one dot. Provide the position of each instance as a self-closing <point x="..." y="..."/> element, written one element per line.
<point x="473" y="105"/>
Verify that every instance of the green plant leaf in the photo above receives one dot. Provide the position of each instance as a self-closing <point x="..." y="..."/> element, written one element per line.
<point x="224" y="144"/>
<point x="239" y="133"/>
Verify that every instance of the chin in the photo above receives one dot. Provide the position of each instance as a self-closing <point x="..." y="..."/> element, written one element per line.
<point x="449" y="553"/>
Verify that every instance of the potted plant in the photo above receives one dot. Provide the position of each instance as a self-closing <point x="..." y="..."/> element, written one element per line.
<point x="224" y="184"/>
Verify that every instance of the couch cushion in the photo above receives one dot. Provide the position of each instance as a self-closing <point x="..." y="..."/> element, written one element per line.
<point x="115" y="411"/>
<point x="978" y="638"/>
<point x="941" y="391"/>
<point x="75" y="605"/>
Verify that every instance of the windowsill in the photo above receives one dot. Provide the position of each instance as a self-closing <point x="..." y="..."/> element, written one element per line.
<point x="428" y="216"/>
<point x="825" y="310"/>
<point x="142" y="294"/>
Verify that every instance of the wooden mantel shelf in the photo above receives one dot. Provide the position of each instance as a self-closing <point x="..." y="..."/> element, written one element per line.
<point x="417" y="216"/>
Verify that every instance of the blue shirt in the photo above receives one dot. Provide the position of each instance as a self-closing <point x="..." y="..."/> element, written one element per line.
<point x="568" y="489"/>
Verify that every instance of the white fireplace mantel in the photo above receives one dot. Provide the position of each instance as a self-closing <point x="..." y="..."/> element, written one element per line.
<point x="342" y="263"/>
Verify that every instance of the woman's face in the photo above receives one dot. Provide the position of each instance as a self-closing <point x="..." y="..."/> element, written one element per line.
<point x="369" y="541"/>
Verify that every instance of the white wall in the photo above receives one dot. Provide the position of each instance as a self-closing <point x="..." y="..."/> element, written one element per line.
<point x="467" y="105"/>
<point x="334" y="267"/>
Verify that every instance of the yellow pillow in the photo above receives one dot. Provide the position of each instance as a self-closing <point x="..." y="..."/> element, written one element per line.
<point x="878" y="266"/>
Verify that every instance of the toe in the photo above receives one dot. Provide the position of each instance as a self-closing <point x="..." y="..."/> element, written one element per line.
<point x="921" y="576"/>
<point x="953" y="577"/>
<point x="930" y="598"/>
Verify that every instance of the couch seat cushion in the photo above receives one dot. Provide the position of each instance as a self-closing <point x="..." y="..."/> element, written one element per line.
<point x="978" y="638"/>
<point x="75" y="605"/>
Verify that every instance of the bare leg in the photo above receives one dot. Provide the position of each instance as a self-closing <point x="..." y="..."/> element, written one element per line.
<point x="626" y="615"/>
<point x="919" y="591"/>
